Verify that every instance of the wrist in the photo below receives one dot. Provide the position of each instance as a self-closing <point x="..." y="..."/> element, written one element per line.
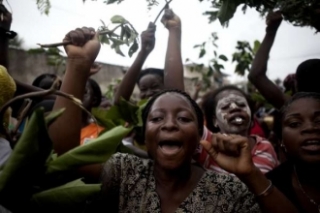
<point x="143" y="53"/>
<point x="79" y="65"/>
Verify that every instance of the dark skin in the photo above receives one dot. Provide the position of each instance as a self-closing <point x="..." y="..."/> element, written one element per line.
<point x="128" y="82"/>
<point x="232" y="153"/>
<point x="173" y="118"/>
<point x="258" y="74"/>
<point x="302" y="123"/>
<point x="150" y="85"/>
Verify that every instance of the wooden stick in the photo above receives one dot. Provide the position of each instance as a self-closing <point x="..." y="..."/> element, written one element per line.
<point x="165" y="6"/>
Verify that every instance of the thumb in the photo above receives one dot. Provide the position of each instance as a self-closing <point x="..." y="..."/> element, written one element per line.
<point x="96" y="36"/>
<point x="209" y="148"/>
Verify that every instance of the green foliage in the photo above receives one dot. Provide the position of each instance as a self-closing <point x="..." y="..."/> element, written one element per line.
<point x="297" y="12"/>
<point x="70" y="197"/>
<point x="26" y="165"/>
<point x="97" y="151"/>
<point x="244" y="56"/>
<point x="213" y="72"/>
<point x="44" y="6"/>
<point x="122" y="34"/>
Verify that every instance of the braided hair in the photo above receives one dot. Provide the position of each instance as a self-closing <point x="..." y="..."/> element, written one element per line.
<point x="194" y="105"/>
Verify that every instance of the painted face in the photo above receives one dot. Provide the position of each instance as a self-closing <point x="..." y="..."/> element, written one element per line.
<point x="301" y="130"/>
<point x="233" y="114"/>
<point x="150" y="85"/>
<point x="172" y="131"/>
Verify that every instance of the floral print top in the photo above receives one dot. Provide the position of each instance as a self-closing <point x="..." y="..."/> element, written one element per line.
<point x="129" y="185"/>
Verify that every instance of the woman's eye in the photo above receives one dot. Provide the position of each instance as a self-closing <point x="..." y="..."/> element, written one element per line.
<point x="184" y="119"/>
<point x="294" y="124"/>
<point x="156" y="119"/>
<point x="225" y="107"/>
<point x="241" y="104"/>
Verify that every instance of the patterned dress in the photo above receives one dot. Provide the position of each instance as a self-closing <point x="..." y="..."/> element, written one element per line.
<point x="129" y="186"/>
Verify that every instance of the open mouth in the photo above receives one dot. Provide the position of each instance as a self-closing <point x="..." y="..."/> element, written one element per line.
<point x="170" y="147"/>
<point x="237" y="120"/>
<point x="311" y="145"/>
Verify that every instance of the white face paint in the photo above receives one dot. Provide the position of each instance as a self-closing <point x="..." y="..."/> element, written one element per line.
<point x="224" y="109"/>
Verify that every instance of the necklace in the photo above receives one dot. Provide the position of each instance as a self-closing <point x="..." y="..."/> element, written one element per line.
<point x="300" y="186"/>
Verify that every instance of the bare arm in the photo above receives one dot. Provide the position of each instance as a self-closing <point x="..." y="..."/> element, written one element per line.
<point x="65" y="132"/>
<point x="128" y="82"/>
<point x="173" y="69"/>
<point x="233" y="154"/>
<point x="258" y="74"/>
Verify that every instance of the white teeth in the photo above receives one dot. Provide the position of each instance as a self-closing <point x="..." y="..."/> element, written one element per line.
<point x="313" y="142"/>
<point x="238" y="119"/>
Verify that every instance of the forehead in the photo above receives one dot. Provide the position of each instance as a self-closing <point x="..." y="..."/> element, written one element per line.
<point x="228" y="95"/>
<point x="303" y="106"/>
<point x="172" y="101"/>
<point x="150" y="79"/>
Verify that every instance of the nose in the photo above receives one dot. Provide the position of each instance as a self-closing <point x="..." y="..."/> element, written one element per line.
<point x="234" y="108"/>
<point x="170" y="124"/>
<point x="311" y="127"/>
<point x="149" y="93"/>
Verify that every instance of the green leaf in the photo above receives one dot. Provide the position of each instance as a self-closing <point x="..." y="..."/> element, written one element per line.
<point x="202" y="53"/>
<point x="118" y="51"/>
<point x="117" y="19"/>
<point x="256" y="46"/>
<point x="44" y="6"/>
<point x="223" y="57"/>
<point x="133" y="48"/>
<point x="110" y="1"/>
<point x="97" y="151"/>
<point x="227" y="10"/>
<point x="71" y="197"/>
<point x="26" y="165"/>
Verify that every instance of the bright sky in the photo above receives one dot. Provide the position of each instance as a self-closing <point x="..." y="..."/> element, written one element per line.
<point x="293" y="44"/>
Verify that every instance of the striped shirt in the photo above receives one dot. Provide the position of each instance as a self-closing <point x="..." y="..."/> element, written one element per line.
<point x="263" y="155"/>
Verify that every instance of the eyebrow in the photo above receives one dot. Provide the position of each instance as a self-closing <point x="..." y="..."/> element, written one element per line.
<point x="298" y="114"/>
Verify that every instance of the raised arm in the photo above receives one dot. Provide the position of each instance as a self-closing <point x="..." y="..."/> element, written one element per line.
<point x="173" y="69"/>
<point x="65" y="132"/>
<point x="128" y="82"/>
<point x="258" y="74"/>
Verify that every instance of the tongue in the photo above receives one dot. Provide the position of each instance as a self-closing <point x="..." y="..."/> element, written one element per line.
<point x="170" y="149"/>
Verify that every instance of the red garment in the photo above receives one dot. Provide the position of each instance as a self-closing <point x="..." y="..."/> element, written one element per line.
<point x="263" y="155"/>
<point x="257" y="129"/>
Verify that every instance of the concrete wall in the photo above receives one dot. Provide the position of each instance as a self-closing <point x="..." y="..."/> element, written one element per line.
<point x="26" y="67"/>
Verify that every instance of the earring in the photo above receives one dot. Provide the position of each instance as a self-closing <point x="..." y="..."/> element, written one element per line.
<point x="283" y="147"/>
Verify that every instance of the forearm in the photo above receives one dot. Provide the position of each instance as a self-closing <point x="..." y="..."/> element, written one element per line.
<point x="273" y="202"/>
<point x="173" y="70"/>
<point x="128" y="82"/>
<point x="259" y="64"/>
<point x="65" y="132"/>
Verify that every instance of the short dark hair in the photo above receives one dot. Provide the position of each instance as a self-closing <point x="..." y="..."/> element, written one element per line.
<point x="38" y="81"/>
<point x="151" y="71"/>
<point x="209" y="104"/>
<point x="96" y="91"/>
<point x="194" y="105"/>
<point x="308" y="75"/>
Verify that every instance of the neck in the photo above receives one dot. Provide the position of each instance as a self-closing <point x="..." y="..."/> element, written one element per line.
<point x="172" y="179"/>
<point x="308" y="174"/>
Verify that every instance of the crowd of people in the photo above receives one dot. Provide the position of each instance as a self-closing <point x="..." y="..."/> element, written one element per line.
<point x="211" y="153"/>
